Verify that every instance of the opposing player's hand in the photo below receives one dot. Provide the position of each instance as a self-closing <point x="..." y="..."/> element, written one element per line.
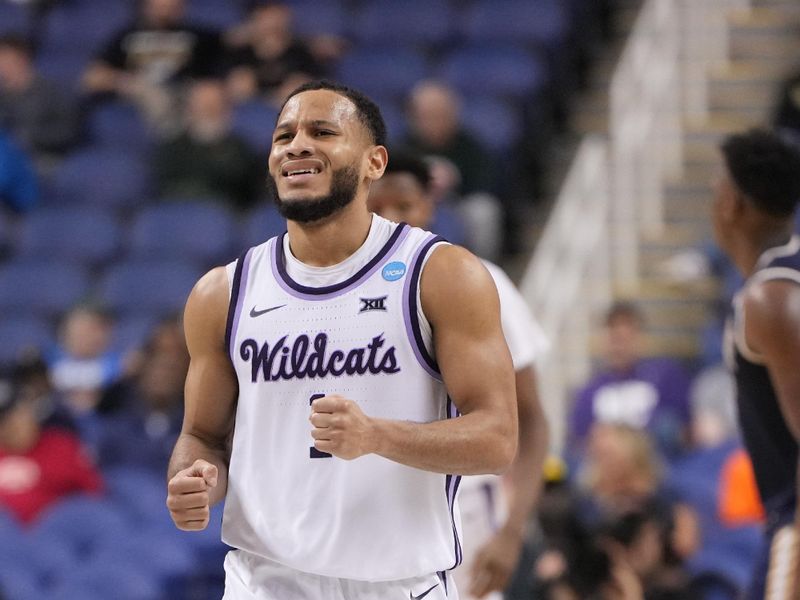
<point x="187" y="495"/>
<point x="495" y="563"/>
<point x="340" y="427"/>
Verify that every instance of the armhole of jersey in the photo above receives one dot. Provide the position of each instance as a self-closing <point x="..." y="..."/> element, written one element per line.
<point x="418" y="327"/>
<point x="764" y="275"/>
<point x="237" y="296"/>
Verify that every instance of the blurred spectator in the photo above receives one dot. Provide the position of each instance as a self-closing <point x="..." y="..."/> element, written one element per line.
<point x="38" y="465"/>
<point x="270" y="61"/>
<point x="436" y="129"/>
<point x="19" y="189"/>
<point x="460" y="166"/>
<point x="84" y="365"/>
<point x="648" y="394"/>
<point x="42" y="116"/>
<point x="149" y="59"/>
<point x="787" y="111"/>
<point x="622" y="479"/>
<point x="148" y="406"/>
<point x="207" y="159"/>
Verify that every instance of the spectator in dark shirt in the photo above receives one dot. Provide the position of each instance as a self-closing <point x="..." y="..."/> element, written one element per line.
<point x="148" y="414"/>
<point x="207" y="159"/>
<point x="150" y="59"/>
<point x="270" y="61"/>
<point x="40" y="115"/>
<point x="787" y="112"/>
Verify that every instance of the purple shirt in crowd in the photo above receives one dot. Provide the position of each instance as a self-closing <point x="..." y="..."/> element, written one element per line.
<point x="653" y="395"/>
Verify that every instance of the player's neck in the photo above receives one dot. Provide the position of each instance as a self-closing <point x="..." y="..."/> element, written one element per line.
<point x="333" y="240"/>
<point x="758" y="243"/>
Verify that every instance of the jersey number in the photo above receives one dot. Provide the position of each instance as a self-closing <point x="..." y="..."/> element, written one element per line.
<point x="313" y="452"/>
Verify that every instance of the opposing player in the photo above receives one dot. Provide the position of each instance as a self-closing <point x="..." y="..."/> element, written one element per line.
<point x="343" y="376"/>
<point x="753" y="212"/>
<point x="493" y="529"/>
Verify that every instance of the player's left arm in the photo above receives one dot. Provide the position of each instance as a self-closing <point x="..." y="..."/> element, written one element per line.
<point x="496" y="561"/>
<point x="772" y="328"/>
<point x="460" y="300"/>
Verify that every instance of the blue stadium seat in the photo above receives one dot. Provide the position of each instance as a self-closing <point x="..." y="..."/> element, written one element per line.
<point x="64" y="67"/>
<point x="159" y="554"/>
<point x="263" y="223"/>
<point x="312" y="17"/>
<point x="40" y="287"/>
<point x="106" y="579"/>
<point x="84" y="27"/>
<point x="14" y="18"/>
<point x="254" y="121"/>
<point x="214" y="14"/>
<point x="131" y="331"/>
<point x="498" y="124"/>
<point x="83" y="523"/>
<point x="160" y="288"/>
<point x="139" y="492"/>
<point x="19" y="583"/>
<point x="118" y="125"/>
<point x="90" y="236"/>
<point x="22" y="334"/>
<point x="382" y="70"/>
<point x="448" y="224"/>
<point x="541" y="22"/>
<point x="192" y="230"/>
<point x="500" y="70"/>
<point x="410" y="22"/>
<point x="395" y="117"/>
<point x="100" y="176"/>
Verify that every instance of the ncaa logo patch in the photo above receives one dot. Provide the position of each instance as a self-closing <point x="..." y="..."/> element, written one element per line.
<point x="394" y="271"/>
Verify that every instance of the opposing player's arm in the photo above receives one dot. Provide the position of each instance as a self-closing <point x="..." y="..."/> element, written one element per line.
<point x="772" y="328"/>
<point x="460" y="300"/>
<point x="199" y="460"/>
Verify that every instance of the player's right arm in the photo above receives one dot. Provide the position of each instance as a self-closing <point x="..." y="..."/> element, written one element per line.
<point x="198" y="469"/>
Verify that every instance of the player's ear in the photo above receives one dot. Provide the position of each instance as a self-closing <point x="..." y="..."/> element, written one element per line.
<point x="378" y="159"/>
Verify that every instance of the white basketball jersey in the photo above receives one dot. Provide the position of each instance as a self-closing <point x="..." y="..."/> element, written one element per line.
<point x="364" y="337"/>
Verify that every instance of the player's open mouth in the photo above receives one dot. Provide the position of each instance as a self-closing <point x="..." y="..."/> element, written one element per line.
<point x="301" y="169"/>
<point x="295" y="172"/>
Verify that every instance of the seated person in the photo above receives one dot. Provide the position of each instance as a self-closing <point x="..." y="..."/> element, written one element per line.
<point x="39" y="465"/>
<point x="646" y="394"/>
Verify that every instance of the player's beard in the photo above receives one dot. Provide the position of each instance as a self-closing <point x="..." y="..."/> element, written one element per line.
<point x="344" y="185"/>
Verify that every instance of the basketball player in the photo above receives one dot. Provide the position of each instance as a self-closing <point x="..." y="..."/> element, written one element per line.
<point x="343" y="376"/>
<point x="753" y="213"/>
<point x="493" y="529"/>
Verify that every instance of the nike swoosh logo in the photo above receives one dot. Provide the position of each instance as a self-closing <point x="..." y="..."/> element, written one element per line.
<point x="257" y="313"/>
<point x="423" y="594"/>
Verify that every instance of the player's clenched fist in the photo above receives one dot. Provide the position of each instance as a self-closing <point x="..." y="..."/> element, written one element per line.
<point x="341" y="428"/>
<point x="187" y="495"/>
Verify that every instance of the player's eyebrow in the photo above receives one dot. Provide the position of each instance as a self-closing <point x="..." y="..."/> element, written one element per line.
<point x="315" y="123"/>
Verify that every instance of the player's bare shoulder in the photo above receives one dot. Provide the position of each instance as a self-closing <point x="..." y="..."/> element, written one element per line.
<point x="453" y="275"/>
<point x="206" y="311"/>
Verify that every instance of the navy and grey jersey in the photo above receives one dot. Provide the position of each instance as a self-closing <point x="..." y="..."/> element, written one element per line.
<point x="298" y="332"/>
<point x="771" y="445"/>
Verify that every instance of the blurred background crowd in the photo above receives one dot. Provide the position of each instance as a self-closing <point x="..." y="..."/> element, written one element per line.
<point x="133" y="144"/>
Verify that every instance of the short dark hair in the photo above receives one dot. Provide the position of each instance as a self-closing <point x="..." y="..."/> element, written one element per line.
<point x="368" y="112"/>
<point x="401" y="161"/>
<point x="18" y="43"/>
<point x="624" y="311"/>
<point x="766" y="169"/>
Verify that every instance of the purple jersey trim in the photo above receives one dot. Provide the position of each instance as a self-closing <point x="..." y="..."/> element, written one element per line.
<point x="451" y="484"/>
<point x="410" y="315"/>
<point x="237" y="299"/>
<point x="304" y="292"/>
